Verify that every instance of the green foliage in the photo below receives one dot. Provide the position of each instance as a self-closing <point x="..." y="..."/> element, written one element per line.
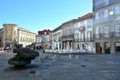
<point x="18" y="46"/>
<point x="23" y="57"/>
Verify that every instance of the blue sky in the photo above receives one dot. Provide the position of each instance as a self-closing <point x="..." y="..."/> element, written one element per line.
<point x="36" y="15"/>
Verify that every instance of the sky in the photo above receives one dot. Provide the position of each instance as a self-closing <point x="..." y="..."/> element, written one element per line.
<point x="37" y="15"/>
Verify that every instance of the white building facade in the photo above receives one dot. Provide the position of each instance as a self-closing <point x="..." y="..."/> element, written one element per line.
<point x="83" y="37"/>
<point x="26" y="37"/>
<point x="45" y="38"/>
<point x="107" y="25"/>
<point x="38" y="44"/>
<point x="68" y="35"/>
<point x="56" y="38"/>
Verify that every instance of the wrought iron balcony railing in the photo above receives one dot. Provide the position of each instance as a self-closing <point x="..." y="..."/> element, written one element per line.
<point x="68" y="36"/>
<point x="84" y="39"/>
<point x="107" y="35"/>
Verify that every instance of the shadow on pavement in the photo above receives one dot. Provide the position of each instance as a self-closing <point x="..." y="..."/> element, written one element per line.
<point x="27" y="67"/>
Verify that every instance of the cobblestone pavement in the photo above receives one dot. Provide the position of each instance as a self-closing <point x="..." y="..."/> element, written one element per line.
<point x="63" y="67"/>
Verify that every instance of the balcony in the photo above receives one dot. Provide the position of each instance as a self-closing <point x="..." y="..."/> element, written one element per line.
<point x="114" y="1"/>
<point x="115" y="34"/>
<point x="95" y="7"/>
<point x="68" y="36"/>
<point x="84" y="39"/>
<point x="77" y="40"/>
<point x="89" y="39"/>
<point x="107" y="35"/>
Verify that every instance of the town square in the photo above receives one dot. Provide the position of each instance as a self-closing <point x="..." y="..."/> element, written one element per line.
<point x="60" y="40"/>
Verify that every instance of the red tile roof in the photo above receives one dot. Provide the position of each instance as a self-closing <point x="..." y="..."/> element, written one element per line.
<point x="42" y="32"/>
<point x="87" y="16"/>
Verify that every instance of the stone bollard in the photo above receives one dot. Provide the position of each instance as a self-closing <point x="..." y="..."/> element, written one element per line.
<point x="70" y="56"/>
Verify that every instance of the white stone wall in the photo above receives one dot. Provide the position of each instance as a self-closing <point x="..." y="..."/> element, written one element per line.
<point x="87" y="34"/>
<point x="26" y="37"/>
<point x="56" y="39"/>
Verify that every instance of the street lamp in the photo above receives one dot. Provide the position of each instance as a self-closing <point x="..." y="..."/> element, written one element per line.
<point x="111" y="13"/>
<point x="112" y="24"/>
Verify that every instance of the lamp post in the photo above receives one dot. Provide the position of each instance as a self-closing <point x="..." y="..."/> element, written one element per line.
<point x="112" y="49"/>
<point x="111" y="13"/>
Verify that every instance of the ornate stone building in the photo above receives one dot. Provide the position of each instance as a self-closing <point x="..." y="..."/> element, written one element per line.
<point x="83" y="36"/>
<point x="26" y="37"/>
<point x="13" y="34"/>
<point x="107" y="25"/>
<point x="46" y="35"/>
<point x="10" y="35"/>
<point x="1" y="37"/>
<point x="68" y="34"/>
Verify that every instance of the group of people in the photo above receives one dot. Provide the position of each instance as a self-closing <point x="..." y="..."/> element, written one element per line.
<point x="5" y="49"/>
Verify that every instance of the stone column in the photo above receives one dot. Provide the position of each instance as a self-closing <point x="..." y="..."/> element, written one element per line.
<point x="103" y="47"/>
<point x="70" y="45"/>
<point x="58" y="45"/>
<point x="112" y="48"/>
<point x="53" y="45"/>
<point x="64" y="46"/>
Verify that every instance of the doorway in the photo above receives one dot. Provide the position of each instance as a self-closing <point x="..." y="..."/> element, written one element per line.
<point x="107" y="47"/>
<point x="117" y="47"/>
<point x="98" y="48"/>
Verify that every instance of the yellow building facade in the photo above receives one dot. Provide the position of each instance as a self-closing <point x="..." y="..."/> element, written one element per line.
<point x="9" y="34"/>
<point x="12" y="34"/>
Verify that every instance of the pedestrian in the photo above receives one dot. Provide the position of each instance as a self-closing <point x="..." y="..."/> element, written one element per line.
<point x="100" y="49"/>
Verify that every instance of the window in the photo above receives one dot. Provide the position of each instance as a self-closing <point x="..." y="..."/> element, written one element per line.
<point x="66" y="33"/>
<point x="97" y="30"/>
<point x="45" y="33"/>
<point x="89" y="24"/>
<point x="70" y="31"/>
<point x="107" y="2"/>
<point x="63" y="33"/>
<point x="117" y="28"/>
<point x="106" y="13"/>
<point x="77" y="35"/>
<point x="111" y="10"/>
<point x="106" y="29"/>
<point x="117" y="9"/>
<point x="96" y="16"/>
<point x="88" y="34"/>
<point x="98" y="2"/>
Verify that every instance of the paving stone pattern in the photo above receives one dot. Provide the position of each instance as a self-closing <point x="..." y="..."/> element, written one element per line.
<point x="63" y="67"/>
